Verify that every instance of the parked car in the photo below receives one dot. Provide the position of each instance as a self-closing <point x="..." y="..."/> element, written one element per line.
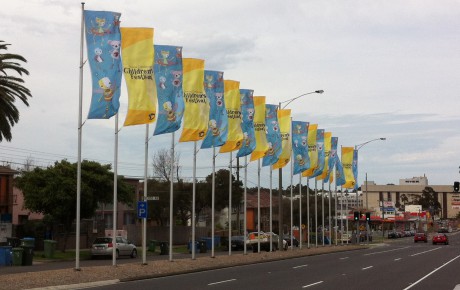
<point x="440" y="238"/>
<point x="443" y="230"/>
<point x="237" y="243"/>
<point x="420" y="237"/>
<point x="393" y="235"/>
<point x="103" y="246"/>
<point x="287" y="238"/>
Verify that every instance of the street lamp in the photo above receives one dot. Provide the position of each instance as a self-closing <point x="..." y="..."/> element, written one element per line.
<point x="280" y="180"/>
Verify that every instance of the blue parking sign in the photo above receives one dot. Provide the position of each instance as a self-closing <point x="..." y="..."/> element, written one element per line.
<point x="142" y="209"/>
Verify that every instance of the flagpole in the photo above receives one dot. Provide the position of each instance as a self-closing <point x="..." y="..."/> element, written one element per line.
<point x="300" y="210"/>
<point x="292" y="208"/>
<point x="193" y="200"/>
<point x="341" y="216"/>
<point x="335" y="205"/>
<point x="171" y="199"/>
<point x="230" y="206"/>
<point x="330" y="217"/>
<point x="213" y="192"/>
<point x="308" y="213"/>
<point x="322" y="211"/>
<point x="316" y="213"/>
<point x="115" y="195"/>
<point x="245" y="200"/>
<point x="80" y="93"/>
<point x="258" y="205"/>
<point x="271" y="210"/>
<point x="144" y="220"/>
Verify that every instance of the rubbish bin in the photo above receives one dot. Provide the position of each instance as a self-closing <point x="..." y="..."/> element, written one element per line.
<point x="49" y="247"/>
<point x="13" y="242"/>
<point x="164" y="249"/>
<point x="17" y="256"/>
<point x="152" y="245"/>
<point x="27" y="255"/>
<point x="30" y="242"/>
<point x="5" y="256"/>
<point x="197" y="246"/>
<point x="203" y="247"/>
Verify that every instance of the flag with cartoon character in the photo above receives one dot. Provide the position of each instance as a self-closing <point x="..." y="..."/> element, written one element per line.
<point x="102" y="31"/>
<point x="312" y="150"/>
<point x="300" y="146"/>
<point x="284" y="119"/>
<point x="273" y="135"/>
<point x="332" y="160"/>
<point x="327" y="152"/>
<point x="339" y="173"/>
<point x="247" y="108"/>
<point x="218" y="120"/>
<point x="355" y="168"/>
<point x="259" y="128"/>
<point x="321" y="155"/>
<point x="347" y="163"/>
<point x="168" y="79"/>
<point x="233" y="105"/>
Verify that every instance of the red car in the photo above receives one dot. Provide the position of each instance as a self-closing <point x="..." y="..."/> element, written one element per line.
<point x="440" y="238"/>
<point x="420" y="237"/>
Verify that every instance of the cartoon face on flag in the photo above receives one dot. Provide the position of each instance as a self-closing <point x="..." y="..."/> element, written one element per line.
<point x="259" y="129"/>
<point x="355" y="168"/>
<point x="332" y="158"/>
<point x="137" y="58"/>
<point x="168" y="79"/>
<point x="347" y="163"/>
<point x="233" y="105"/>
<point x="327" y="151"/>
<point x="312" y="150"/>
<point x="273" y="135"/>
<point x="218" y="120"/>
<point x="339" y="174"/>
<point x="284" y="118"/>
<point x="300" y="146"/>
<point x="321" y="155"/>
<point x="247" y="110"/>
<point x="196" y="115"/>
<point x="103" y="49"/>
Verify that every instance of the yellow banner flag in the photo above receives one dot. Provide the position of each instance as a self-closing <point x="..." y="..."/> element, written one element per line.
<point x="284" y="121"/>
<point x="347" y="163"/>
<point x="137" y="58"/>
<point x="233" y="105"/>
<point x="196" y="112"/>
<point x="259" y="129"/>
<point x="312" y="150"/>
<point x="327" y="152"/>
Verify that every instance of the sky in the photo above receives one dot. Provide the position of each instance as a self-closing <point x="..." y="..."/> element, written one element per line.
<point x="389" y="69"/>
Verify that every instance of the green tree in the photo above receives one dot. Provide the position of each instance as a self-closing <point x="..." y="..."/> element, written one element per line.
<point x="11" y="88"/>
<point x="53" y="191"/>
<point x="429" y="201"/>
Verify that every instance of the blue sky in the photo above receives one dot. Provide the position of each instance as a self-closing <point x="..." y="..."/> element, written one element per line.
<point x="388" y="68"/>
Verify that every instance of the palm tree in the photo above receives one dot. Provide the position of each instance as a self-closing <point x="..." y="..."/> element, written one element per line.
<point x="10" y="88"/>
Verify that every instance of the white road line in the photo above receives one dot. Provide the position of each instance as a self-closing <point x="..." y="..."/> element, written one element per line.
<point x="365" y="268"/>
<point x="375" y="253"/>
<point x="313" y="284"/>
<point x="344" y="258"/>
<point x="300" y="266"/>
<point x="425" y="251"/>
<point x="427" y="275"/>
<point x="397" y="259"/>
<point x="220" y="282"/>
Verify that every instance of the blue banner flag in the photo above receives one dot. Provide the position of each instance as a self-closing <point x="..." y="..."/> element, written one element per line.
<point x="168" y="78"/>
<point x="273" y="135"/>
<point x="354" y="166"/>
<point x="300" y="146"/>
<point x="247" y="125"/>
<point x="321" y="154"/>
<point x="102" y="30"/>
<point x="339" y="174"/>
<point x="218" y="120"/>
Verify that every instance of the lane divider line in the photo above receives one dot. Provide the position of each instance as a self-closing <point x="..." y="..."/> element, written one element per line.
<point x="425" y="252"/>
<point x="220" y="282"/>
<point x="381" y="252"/>
<point x="313" y="284"/>
<point x="300" y="266"/>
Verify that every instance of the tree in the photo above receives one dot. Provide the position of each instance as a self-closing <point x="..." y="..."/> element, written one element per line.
<point x="11" y="88"/>
<point x="53" y="191"/>
<point x="429" y="201"/>
<point x="161" y="162"/>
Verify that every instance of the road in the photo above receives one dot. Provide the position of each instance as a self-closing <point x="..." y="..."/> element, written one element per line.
<point x="400" y="264"/>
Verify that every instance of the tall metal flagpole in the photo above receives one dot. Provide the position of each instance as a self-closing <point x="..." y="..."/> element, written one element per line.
<point x="193" y="200"/>
<point x="330" y="213"/>
<point x="144" y="221"/>
<point x="300" y="210"/>
<point x="271" y="209"/>
<point x="316" y="213"/>
<point x="80" y="93"/>
<point x="292" y="208"/>
<point x="171" y="199"/>
<point x="115" y="194"/>
<point x="230" y="206"/>
<point x="245" y="200"/>
<point x="322" y="211"/>
<point x="308" y="213"/>
<point x="335" y="206"/>
<point x="258" y="205"/>
<point x="213" y="193"/>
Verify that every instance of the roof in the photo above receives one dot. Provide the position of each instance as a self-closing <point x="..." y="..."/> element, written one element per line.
<point x="4" y="170"/>
<point x="264" y="199"/>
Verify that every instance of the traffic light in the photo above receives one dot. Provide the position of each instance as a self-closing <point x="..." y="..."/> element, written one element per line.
<point x="368" y="216"/>
<point x="456" y="186"/>
<point x="356" y="213"/>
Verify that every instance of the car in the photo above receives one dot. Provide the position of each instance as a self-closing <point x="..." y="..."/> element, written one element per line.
<point x="103" y="246"/>
<point x="443" y="230"/>
<point x="237" y="243"/>
<point x="287" y="238"/>
<point x="440" y="238"/>
<point x="393" y="235"/>
<point x="420" y="237"/>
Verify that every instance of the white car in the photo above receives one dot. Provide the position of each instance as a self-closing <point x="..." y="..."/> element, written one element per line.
<point x="104" y="247"/>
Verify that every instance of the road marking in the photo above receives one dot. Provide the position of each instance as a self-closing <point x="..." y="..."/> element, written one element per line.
<point x="313" y="284"/>
<point x="220" y="282"/>
<point x="397" y="259"/>
<point x="425" y="251"/>
<point x="300" y="266"/>
<point x="344" y="258"/>
<point x="367" y="268"/>
<point x="375" y="253"/>
<point x="427" y="275"/>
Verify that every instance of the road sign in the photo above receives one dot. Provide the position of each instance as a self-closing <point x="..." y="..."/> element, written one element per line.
<point x="152" y="198"/>
<point x="142" y="209"/>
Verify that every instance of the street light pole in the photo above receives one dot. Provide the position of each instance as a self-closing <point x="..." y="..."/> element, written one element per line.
<point x="280" y="179"/>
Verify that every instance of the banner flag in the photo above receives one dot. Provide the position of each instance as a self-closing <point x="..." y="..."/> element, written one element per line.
<point x="196" y="114"/>
<point x="339" y="174"/>
<point x="137" y="58"/>
<point x="327" y="151"/>
<point x="355" y="168"/>
<point x="331" y="160"/>
<point x="103" y="48"/>
<point x="347" y="163"/>
<point x="300" y="146"/>
<point x="312" y="150"/>
<point x="218" y="120"/>
<point x="233" y="106"/>
<point x="259" y="129"/>
<point x="168" y="79"/>
<point x="321" y="155"/>
<point x="247" y="110"/>
<point x="284" y="118"/>
<point x="273" y="135"/>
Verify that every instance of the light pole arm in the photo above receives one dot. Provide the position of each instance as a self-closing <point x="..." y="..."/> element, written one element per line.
<point x="293" y="99"/>
<point x="357" y="147"/>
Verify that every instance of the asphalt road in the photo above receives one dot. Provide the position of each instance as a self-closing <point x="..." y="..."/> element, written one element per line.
<point x="401" y="264"/>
